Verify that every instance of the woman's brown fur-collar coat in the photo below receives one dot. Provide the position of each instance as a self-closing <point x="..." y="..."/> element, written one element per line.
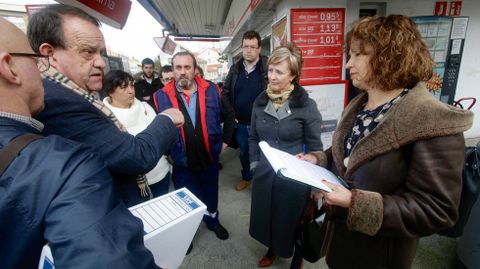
<point x="405" y="178"/>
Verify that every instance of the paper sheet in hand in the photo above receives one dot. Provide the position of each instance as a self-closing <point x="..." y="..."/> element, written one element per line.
<point x="291" y="167"/>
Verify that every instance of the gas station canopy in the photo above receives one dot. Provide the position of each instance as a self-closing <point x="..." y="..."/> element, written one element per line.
<point x="210" y="20"/>
<point x="186" y="18"/>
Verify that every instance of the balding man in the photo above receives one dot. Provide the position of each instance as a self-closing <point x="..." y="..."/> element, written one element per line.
<point x="75" y="48"/>
<point x="55" y="190"/>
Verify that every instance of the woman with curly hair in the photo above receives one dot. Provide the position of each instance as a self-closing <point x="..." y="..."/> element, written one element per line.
<point x="400" y="150"/>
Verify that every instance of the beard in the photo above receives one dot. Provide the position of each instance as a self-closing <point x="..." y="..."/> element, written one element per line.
<point x="148" y="75"/>
<point x="184" y="82"/>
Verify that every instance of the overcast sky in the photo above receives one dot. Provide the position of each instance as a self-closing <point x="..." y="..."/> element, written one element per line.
<point x="135" y="39"/>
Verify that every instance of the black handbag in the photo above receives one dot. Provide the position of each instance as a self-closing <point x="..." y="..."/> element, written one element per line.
<point x="312" y="238"/>
<point x="470" y="190"/>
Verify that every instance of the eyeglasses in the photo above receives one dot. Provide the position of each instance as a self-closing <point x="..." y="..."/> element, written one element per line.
<point x="249" y="47"/>
<point x="42" y="65"/>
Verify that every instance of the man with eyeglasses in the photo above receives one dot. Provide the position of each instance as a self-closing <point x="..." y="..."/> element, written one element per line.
<point x="54" y="190"/>
<point x="166" y="74"/>
<point x="245" y="80"/>
<point x="75" y="47"/>
<point x="41" y="65"/>
<point x="147" y="83"/>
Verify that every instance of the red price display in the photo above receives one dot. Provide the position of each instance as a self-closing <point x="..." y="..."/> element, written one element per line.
<point x="317" y="28"/>
<point x="319" y="33"/>
<point x="319" y="14"/>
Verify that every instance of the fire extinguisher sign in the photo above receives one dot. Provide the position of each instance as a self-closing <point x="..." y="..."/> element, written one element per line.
<point x="455" y="8"/>
<point x="440" y="8"/>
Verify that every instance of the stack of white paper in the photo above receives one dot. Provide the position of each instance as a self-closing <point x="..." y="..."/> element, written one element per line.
<point x="291" y="167"/>
<point x="170" y="222"/>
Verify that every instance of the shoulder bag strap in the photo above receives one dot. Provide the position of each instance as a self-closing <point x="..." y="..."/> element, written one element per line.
<point x="11" y="150"/>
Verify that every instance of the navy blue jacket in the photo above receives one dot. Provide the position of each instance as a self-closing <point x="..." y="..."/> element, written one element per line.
<point x="59" y="191"/>
<point x="212" y="112"/>
<point x="69" y="115"/>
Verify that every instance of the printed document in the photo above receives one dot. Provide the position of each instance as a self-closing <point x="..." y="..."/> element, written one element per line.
<point x="289" y="166"/>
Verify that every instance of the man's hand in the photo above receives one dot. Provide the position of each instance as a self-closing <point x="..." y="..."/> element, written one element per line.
<point x="224" y="146"/>
<point x="176" y="116"/>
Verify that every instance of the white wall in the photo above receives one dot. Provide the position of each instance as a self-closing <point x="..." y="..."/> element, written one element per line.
<point x="469" y="79"/>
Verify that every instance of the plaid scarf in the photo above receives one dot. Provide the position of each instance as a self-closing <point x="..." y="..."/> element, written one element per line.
<point x="53" y="75"/>
<point x="278" y="99"/>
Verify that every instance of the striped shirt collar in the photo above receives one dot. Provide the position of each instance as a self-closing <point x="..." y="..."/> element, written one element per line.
<point x="24" y="119"/>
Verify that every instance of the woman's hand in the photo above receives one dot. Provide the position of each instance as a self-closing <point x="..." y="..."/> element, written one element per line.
<point x="340" y="196"/>
<point x="307" y="157"/>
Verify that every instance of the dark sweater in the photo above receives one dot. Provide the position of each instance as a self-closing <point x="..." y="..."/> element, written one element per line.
<point x="247" y="89"/>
